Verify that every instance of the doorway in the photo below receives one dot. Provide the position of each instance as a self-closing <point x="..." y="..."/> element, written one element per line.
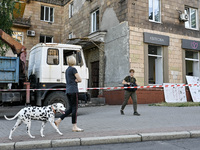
<point x="95" y="78"/>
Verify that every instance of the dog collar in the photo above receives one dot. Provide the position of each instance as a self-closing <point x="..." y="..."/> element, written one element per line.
<point x="53" y="109"/>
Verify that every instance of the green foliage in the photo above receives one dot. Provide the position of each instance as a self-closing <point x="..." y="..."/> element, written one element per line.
<point x="6" y="21"/>
<point x="186" y="104"/>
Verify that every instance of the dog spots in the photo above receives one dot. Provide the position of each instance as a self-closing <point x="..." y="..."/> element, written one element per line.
<point x="36" y="113"/>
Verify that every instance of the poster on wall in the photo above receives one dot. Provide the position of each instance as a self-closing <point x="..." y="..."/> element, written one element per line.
<point x="194" y="90"/>
<point x="175" y="94"/>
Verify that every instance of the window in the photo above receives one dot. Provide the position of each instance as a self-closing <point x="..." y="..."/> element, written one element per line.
<point x="47" y="14"/>
<point x="192" y="63"/>
<point x="192" y="23"/>
<point x="154" y="10"/>
<point x="95" y="21"/>
<point x="70" y="35"/>
<point x="52" y="57"/>
<point x="71" y="9"/>
<point x="155" y="62"/>
<point x="18" y="36"/>
<point x="67" y="53"/>
<point x="46" y="39"/>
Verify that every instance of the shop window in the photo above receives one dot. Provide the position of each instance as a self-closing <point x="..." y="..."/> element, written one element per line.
<point x="154" y="10"/>
<point x="46" y="39"/>
<point x="192" y="63"/>
<point x="47" y="14"/>
<point x="52" y="57"/>
<point x="18" y="36"/>
<point x="155" y="65"/>
<point x="95" y="21"/>
<point x="192" y="23"/>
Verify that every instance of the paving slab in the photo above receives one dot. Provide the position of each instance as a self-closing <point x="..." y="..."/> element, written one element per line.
<point x="101" y="122"/>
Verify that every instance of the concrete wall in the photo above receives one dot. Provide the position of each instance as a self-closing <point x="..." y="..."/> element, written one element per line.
<point x="109" y="19"/>
<point x="117" y="54"/>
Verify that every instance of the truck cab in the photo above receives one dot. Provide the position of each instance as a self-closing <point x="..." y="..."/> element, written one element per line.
<point x="46" y="70"/>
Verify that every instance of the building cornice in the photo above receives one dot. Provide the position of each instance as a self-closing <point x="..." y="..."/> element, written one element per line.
<point x="55" y="2"/>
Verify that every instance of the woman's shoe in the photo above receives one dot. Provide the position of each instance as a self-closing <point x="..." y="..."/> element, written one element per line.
<point x="77" y="130"/>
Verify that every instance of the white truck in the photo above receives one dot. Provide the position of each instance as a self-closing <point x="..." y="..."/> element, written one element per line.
<point x="46" y="71"/>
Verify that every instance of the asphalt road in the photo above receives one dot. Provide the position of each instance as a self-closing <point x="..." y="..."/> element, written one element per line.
<point x="181" y="144"/>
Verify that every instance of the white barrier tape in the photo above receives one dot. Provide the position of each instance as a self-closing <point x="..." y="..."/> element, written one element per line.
<point x="105" y="88"/>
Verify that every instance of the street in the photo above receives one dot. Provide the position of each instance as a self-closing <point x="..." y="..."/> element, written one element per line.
<point x="181" y="144"/>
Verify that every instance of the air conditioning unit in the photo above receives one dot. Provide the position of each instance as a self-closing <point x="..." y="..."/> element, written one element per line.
<point x="30" y="33"/>
<point x="184" y="16"/>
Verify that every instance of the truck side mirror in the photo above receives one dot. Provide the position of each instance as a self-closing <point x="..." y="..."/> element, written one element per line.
<point x="79" y="57"/>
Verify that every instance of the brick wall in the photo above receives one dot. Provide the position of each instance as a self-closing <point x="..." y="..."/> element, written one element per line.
<point x="55" y="29"/>
<point x="139" y="13"/>
<point x="175" y="59"/>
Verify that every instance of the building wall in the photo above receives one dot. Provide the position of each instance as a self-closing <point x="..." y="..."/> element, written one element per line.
<point x="113" y="20"/>
<point x="55" y="29"/>
<point x="175" y="54"/>
<point x="111" y="14"/>
<point x="117" y="54"/>
<point x="138" y="16"/>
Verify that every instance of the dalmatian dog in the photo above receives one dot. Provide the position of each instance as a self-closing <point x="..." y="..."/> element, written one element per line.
<point x="44" y="114"/>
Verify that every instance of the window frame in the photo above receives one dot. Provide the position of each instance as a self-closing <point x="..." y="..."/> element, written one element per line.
<point x="156" y="56"/>
<point x="17" y="35"/>
<point x="71" y="9"/>
<point x="189" y="26"/>
<point x="70" y="35"/>
<point x="49" y="14"/>
<point x="94" y="24"/>
<point x="45" y="36"/>
<point x="153" y="19"/>
<point x="193" y="60"/>
<point x="55" y="55"/>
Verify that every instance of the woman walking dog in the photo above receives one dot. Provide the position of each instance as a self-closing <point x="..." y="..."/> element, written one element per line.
<point x="72" y="78"/>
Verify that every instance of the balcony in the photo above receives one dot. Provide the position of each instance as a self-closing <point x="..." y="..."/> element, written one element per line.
<point x="22" y="22"/>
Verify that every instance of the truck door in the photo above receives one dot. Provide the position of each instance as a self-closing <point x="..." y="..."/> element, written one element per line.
<point x="81" y="68"/>
<point x="54" y="65"/>
<point x="65" y="65"/>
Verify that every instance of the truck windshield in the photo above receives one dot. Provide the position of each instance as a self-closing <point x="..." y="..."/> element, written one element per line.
<point x="67" y="53"/>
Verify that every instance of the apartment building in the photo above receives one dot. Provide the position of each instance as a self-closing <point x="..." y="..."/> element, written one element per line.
<point x="159" y="39"/>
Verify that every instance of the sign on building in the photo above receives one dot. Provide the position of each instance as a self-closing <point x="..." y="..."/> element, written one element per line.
<point x="175" y="94"/>
<point x="189" y="44"/>
<point x="156" y="39"/>
<point x="194" y="90"/>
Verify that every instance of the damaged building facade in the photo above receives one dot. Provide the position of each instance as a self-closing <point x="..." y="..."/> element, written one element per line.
<point x="158" y="39"/>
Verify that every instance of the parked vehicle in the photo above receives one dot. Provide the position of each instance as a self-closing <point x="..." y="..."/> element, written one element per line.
<point x="46" y="70"/>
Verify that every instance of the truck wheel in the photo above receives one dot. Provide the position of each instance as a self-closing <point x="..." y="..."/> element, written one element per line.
<point x="56" y="97"/>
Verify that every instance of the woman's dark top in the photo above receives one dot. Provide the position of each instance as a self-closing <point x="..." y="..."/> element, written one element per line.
<point x="71" y="84"/>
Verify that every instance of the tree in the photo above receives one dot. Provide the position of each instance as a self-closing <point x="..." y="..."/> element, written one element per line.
<point x="6" y="14"/>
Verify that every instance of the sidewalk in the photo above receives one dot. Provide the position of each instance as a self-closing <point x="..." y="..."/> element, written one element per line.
<point x="104" y="124"/>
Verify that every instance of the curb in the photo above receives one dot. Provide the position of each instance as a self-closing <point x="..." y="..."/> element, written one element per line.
<point x="100" y="140"/>
<point x="165" y="136"/>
